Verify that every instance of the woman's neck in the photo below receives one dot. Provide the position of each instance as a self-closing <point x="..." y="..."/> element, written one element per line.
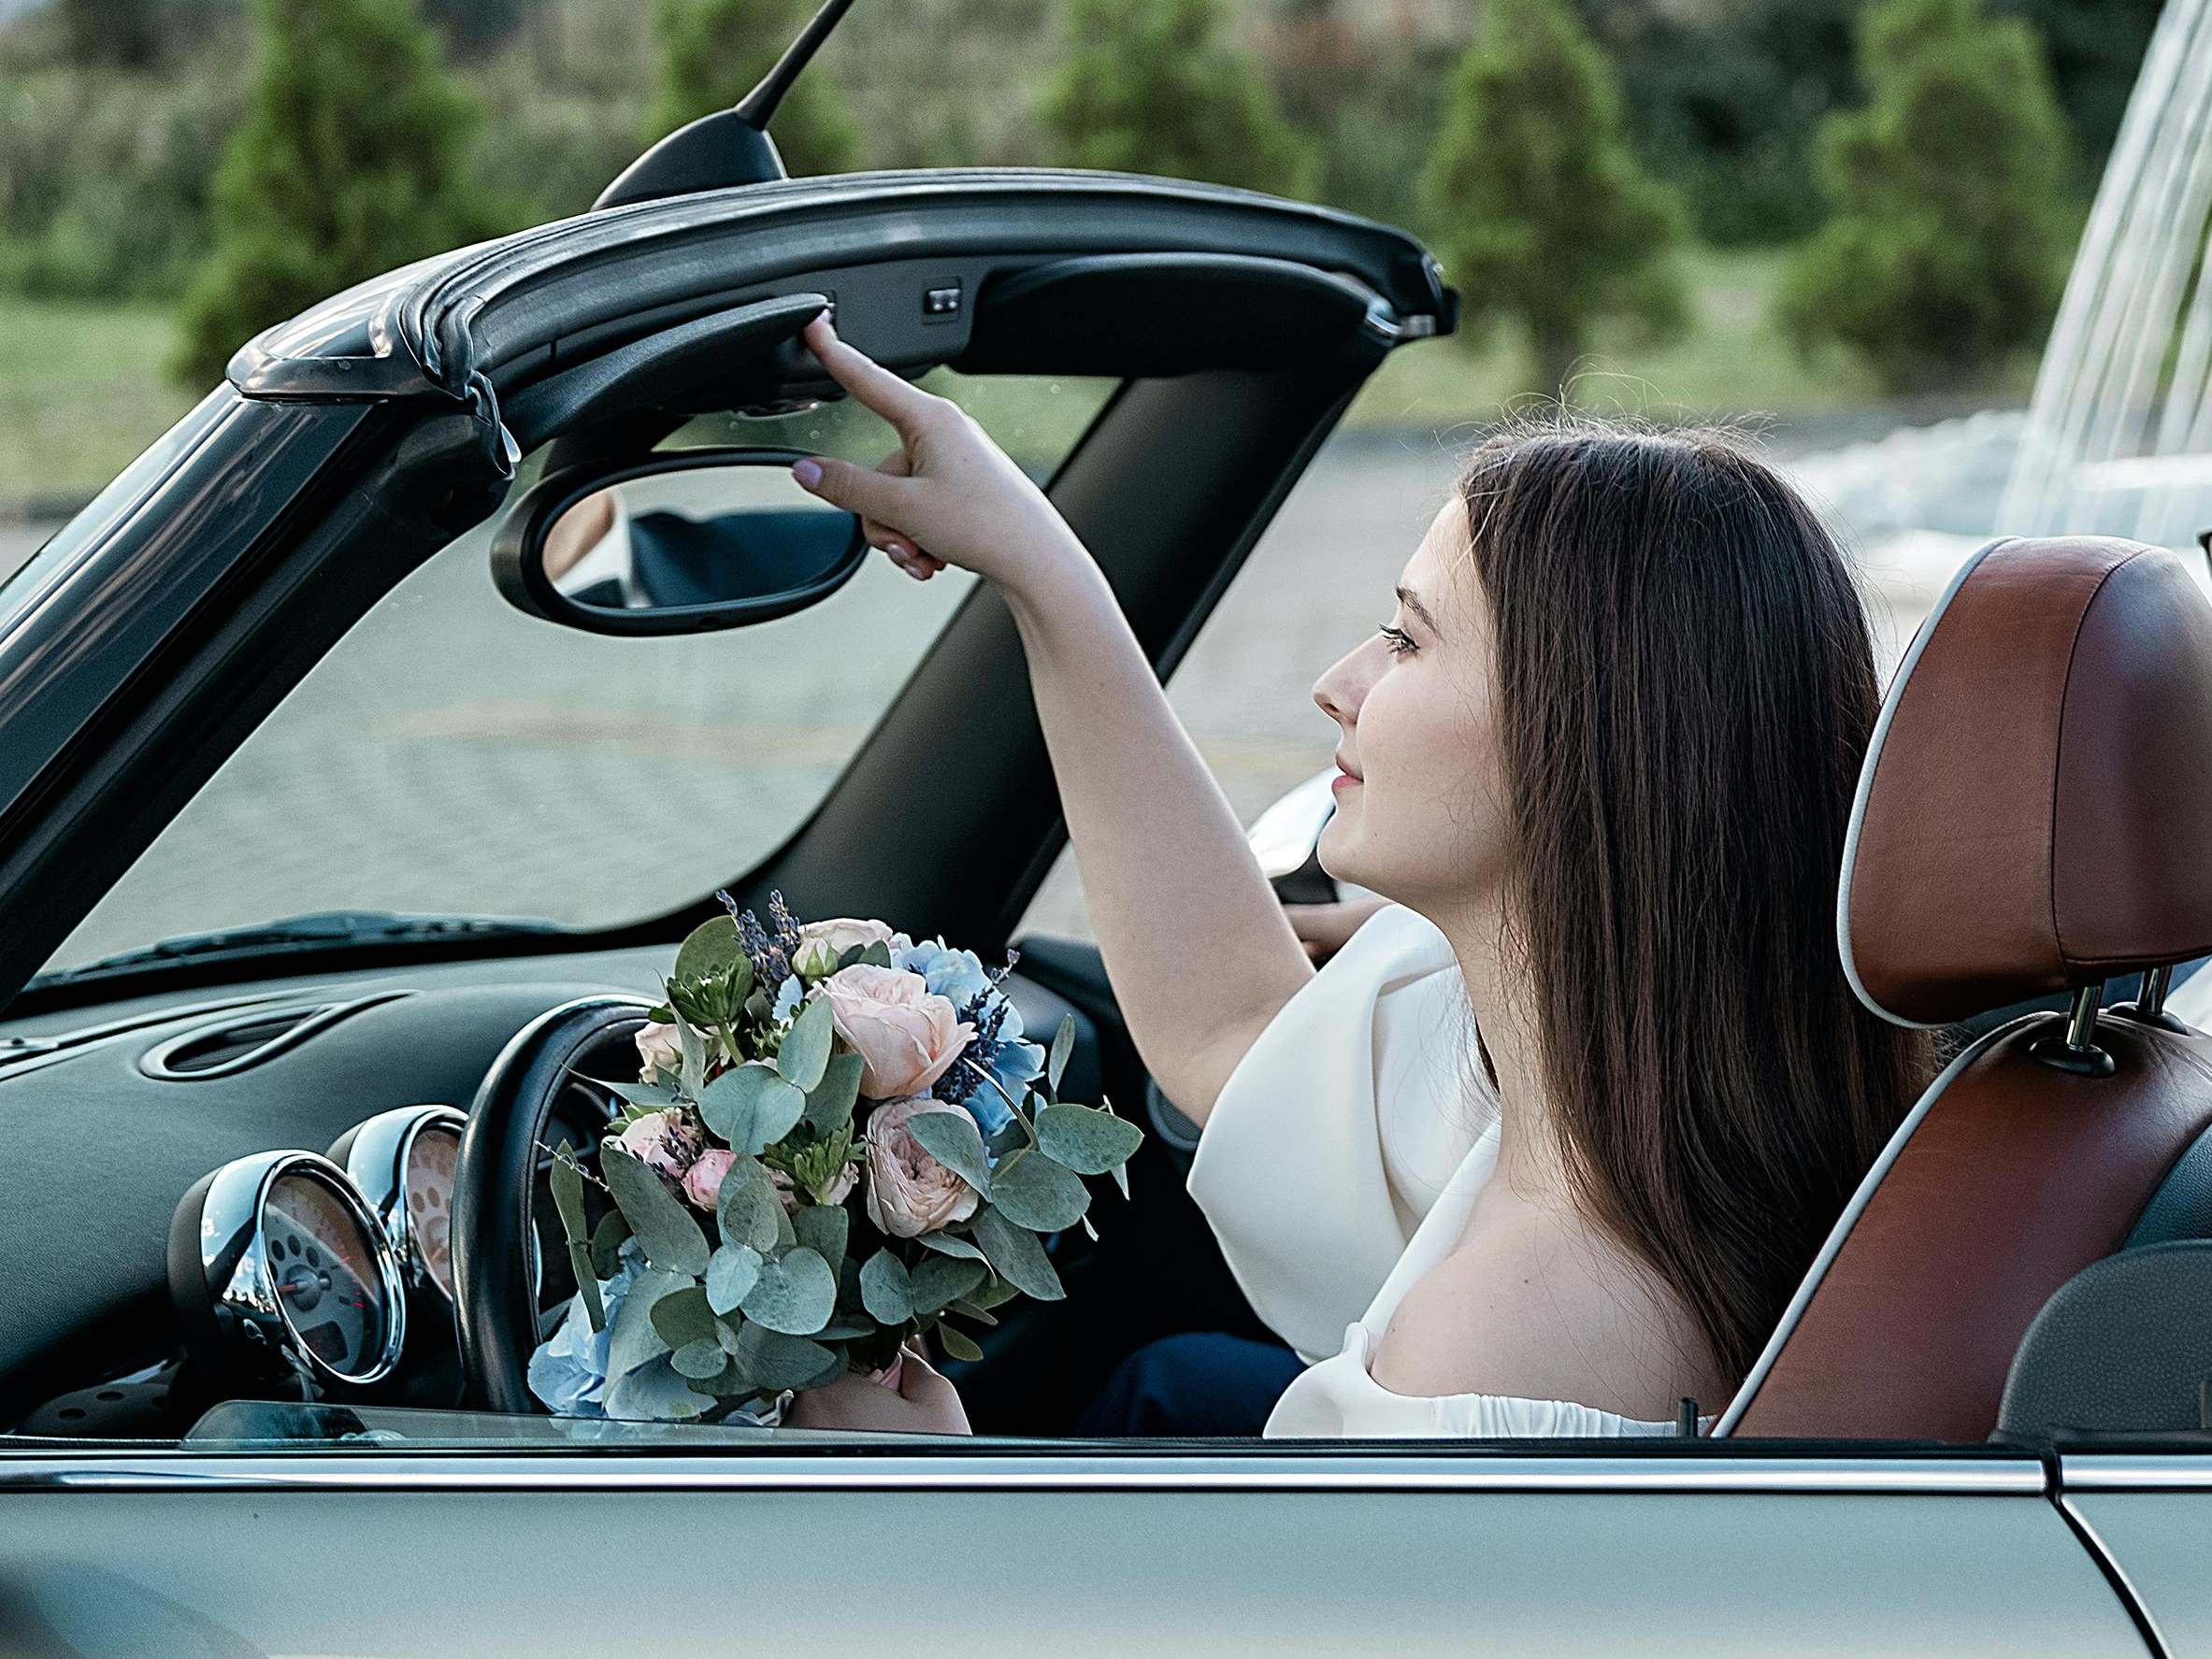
<point x="1528" y="1159"/>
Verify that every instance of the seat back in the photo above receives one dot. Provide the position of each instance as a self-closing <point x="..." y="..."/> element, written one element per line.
<point x="2031" y="818"/>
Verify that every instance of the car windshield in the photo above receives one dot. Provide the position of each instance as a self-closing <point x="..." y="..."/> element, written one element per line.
<point x="451" y="755"/>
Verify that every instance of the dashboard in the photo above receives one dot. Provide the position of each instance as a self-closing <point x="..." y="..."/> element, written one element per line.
<point x="240" y="1194"/>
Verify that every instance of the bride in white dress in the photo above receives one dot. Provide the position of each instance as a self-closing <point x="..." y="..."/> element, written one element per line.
<point x="1600" y="756"/>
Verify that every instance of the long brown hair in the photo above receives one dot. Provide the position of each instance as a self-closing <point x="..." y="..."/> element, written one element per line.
<point x="1686" y="689"/>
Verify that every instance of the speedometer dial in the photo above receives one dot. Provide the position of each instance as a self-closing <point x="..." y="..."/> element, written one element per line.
<point x="276" y="1262"/>
<point x="428" y="1183"/>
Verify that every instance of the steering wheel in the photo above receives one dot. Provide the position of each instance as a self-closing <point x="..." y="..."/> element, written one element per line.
<point x="495" y="1188"/>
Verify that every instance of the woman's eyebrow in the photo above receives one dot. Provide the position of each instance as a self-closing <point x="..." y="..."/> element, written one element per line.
<point x="1412" y="601"/>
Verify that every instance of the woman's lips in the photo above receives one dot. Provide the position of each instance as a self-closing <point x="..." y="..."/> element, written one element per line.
<point x="1342" y="781"/>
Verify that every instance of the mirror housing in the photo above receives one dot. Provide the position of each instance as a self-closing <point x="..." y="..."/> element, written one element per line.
<point x="627" y="549"/>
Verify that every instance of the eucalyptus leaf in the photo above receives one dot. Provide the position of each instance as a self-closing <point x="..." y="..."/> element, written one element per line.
<point x="884" y="1290"/>
<point x="967" y="1309"/>
<point x="694" y="1049"/>
<point x="663" y="1225"/>
<point x="831" y="1370"/>
<point x="1063" y="1045"/>
<point x="633" y="1341"/>
<point x="606" y="1238"/>
<point x="796" y="1295"/>
<point x="656" y="1391"/>
<point x="701" y="1360"/>
<point x="1120" y="1173"/>
<point x="774" y="1360"/>
<point x="750" y="1108"/>
<point x="992" y="1295"/>
<point x="957" y="1344"/>
<point x="748" y="1207"/>
<point x="938" y="1280"/>
<point x="567" y="1181"/>
<point x="950" y="1137"/>
<point x="587" y="1286"/>
<point x="731" y="1272"/>
<point x="1017" y="1255"/>
<point x="1085" y="1139"/>
<point x="654" y="1096"/>
<point x="838" y="1330"/>
<point x="787" y="1234"/>
<point x="876" y="954"/>
<point x="805" y="1049"/>
<point x="710" y="948"/>
<point x="830" y="1103"/>
<point x="1039" y="1194"/>
<point x="950" y="1244"/>
<point x="823" y="1228"/>
<point x="682" y="1317"/>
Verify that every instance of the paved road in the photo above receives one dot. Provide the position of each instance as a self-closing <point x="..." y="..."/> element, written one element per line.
<point x="455" y="755"/>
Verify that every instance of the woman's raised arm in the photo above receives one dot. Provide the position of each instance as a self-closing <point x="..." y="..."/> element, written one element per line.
<point x="1198" y="952"/>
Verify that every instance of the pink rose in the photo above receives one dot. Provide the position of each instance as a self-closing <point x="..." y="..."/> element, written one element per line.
<point x="658" y="1051"/>
<point x="821" y="943"/>
<point x="661" y="1143"/>
<point x="702" y="1183"/>
<point x="909" y="1192"/>
<point x="906" y="1036"/>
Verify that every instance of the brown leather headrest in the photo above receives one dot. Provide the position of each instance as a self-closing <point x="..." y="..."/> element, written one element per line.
<point x="2035" y="810"/>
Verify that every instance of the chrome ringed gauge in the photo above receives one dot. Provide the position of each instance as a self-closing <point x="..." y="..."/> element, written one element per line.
<point x="278" y="1255"/>
<point x="402" y="1160"/>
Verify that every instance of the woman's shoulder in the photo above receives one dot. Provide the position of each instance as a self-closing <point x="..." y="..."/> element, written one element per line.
<point x="1535" y="1311"/>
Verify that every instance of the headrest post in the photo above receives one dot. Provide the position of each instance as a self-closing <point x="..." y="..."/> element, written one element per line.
<point x="2076" y="1051"/>
<point x="2150" y="1001"/>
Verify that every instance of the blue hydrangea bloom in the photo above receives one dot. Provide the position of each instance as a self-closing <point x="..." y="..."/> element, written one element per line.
<point x="788" y="996"/>
<point x="956" y="975"/>
<point x="569" y="1372"/>
<point x="1013" y="1062"/>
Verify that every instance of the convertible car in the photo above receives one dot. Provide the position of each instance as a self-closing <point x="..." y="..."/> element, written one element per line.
<point x="464" y="630"/>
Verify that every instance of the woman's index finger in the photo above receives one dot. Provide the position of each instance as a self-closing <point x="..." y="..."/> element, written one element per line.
<point x="872" y="385"/>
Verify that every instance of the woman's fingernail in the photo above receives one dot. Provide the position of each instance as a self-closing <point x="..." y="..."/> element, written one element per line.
<point x="807" y="472"/>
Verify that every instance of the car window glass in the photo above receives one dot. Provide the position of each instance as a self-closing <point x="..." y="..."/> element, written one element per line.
<point x="452" y="754"/>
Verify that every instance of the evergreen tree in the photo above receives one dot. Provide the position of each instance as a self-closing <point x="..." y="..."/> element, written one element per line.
<point x="714" y="52"/>
<point x="1953" y="224"/>
<point x="351" y="160"/>
<point x="1152" y="86"/>
<point x="1537" y="205"/>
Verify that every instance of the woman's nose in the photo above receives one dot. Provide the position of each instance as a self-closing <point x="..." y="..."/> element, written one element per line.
<point x="1339" y="690"/>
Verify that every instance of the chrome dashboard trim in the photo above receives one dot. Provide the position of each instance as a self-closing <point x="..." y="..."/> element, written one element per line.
<point x="2147" y="1471"/>
<point x="315" y="1015"/>
<point x="388" y="1470"/>
<point x="374" y="1158"/>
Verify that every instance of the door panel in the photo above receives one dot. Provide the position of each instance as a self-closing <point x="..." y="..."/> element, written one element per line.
<point x="596" y="1569"/>
<point x="2152" y="1518"/>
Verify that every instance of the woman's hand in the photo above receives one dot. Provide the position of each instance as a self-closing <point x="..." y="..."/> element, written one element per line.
<point x="947" y="494"/>
<point x="923" y="1403"/>
<point x="1326" y="929"/>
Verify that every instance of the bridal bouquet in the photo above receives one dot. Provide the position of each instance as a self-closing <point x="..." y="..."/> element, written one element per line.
<point x="839" y="1141"/>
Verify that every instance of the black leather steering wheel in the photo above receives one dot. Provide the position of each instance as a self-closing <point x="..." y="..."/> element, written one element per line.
<point x="495" y="1186"/>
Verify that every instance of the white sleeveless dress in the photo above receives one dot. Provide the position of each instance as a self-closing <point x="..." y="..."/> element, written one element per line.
<point x="1340" y="1163"/>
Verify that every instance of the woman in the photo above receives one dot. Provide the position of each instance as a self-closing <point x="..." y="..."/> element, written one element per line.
<point x="1601" y="757"/>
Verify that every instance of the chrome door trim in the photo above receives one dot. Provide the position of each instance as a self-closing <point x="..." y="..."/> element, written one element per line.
<point x="2150" y="1471"/>
<point x="862" y="1470"/>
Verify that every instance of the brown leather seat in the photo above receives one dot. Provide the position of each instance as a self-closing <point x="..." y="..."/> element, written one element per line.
<point x="2034" y="816"/>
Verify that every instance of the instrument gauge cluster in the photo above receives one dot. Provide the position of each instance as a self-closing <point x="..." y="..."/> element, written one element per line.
<point x="290" y="1260"/>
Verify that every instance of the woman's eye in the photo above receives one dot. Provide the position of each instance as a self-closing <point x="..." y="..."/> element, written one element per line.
<point x="1399" y="640"/>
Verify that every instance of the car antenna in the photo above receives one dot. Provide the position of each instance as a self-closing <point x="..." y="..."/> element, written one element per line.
<point x="730" y="147"/>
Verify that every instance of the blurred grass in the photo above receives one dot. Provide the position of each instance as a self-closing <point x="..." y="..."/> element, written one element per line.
<point x="83" y="387"/>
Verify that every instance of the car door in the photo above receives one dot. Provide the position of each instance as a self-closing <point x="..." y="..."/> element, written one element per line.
<point x="387" y="1553"/>
<point x="2147" y="1515"/>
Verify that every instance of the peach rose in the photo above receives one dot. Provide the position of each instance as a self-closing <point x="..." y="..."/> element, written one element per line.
<point x="906" y="1036"/>
<point x="909" y="1192"/>
<point x="658" y="1051"/>
<point x="702" y="1182"/>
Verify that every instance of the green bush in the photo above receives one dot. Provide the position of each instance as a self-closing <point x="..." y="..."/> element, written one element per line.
<point x="1953" y="221"/>
<point x="353" y="160"/>
<point x="1153" y="86"/>
<point x="714" y="52"/>
<point x="1534" y="200"/>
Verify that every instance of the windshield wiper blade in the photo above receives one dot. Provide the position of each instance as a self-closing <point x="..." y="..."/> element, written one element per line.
<point x="316" y="930"/>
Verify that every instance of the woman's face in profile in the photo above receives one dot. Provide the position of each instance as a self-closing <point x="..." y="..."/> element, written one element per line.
<point x="1418" y="808"/>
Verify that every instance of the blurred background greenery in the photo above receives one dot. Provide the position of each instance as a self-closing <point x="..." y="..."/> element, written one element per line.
<point x="1807" y="209"/>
